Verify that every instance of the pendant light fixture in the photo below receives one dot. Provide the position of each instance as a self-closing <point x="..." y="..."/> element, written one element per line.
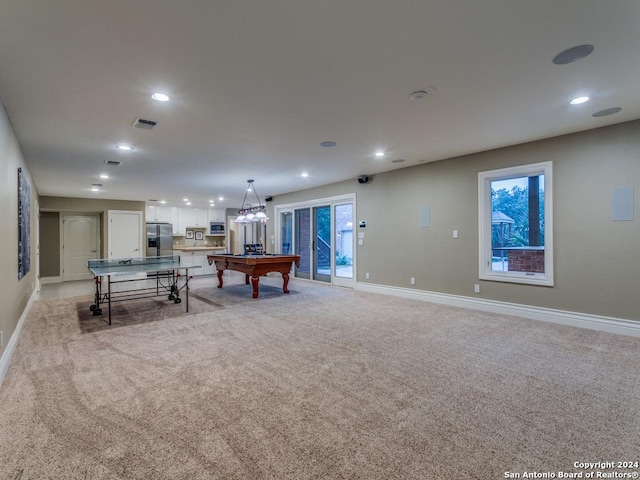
<point x="251" y="213"/>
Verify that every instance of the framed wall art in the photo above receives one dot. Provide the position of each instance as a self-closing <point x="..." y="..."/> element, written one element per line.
<point x="24" y="225"/>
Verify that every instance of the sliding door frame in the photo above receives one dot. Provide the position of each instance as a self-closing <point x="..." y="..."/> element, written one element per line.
<point x="319" y="202"/>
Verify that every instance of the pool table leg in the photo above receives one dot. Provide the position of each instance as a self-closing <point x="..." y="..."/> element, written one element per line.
<point x="220" y="272"/>
<point x="285" y="282"/>
<point x="255" y="279"/>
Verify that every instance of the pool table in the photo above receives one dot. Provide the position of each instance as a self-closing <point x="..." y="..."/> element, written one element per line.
<point x="255" y="266"/>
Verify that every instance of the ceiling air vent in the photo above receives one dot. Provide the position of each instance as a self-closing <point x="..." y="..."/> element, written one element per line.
<point x="112" y="163"/>
<point x="146" y="124"/>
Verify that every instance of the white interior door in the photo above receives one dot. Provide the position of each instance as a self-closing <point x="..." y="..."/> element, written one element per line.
<point x="80" y="242"/>
<point x="125" y="234"/>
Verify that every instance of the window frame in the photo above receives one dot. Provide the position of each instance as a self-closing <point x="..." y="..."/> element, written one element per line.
<point x="484" y="224"/>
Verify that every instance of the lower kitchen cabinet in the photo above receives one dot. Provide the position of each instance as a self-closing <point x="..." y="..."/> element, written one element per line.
<point x="198" y="258"/>
<point x="193" y="258"/>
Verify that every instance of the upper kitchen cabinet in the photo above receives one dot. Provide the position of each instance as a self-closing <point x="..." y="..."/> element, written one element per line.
<point x="186" y="218"/>
<point x="216" y="215"/>
<point x="158" y="214"/>
<point x="191" y="217"/>
<point x="174" y="220"/>
<point x="202" y="218"/>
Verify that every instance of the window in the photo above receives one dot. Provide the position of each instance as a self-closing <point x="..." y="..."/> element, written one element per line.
<point x="515" y="224"/>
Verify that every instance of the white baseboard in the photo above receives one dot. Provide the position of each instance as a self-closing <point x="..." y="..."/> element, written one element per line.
<point x="575" y="319"/>
<point x="13" y="341"/>
<point x="44" y="280"/>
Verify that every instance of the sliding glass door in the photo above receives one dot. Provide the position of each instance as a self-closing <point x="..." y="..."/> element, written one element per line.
<point x="321" y="238"/>
<point x="343" y="243"/>
<point x="321" y="232"/>
<point x="302" y="243"/>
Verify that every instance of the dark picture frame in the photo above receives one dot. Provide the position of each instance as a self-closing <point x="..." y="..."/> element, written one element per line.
<point x="24" y="225"/>
<point x="199" y="235"/>
<point x="188" y="234"/>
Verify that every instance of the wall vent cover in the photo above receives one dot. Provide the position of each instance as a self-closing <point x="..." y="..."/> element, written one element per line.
<point x="146" y="124"/>
<point x="112" y="163"/>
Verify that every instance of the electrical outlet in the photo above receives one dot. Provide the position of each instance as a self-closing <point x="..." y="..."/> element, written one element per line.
<point x="366" y="275"/>
<point x="476" y="288"/>
<point x="413" y="281"/>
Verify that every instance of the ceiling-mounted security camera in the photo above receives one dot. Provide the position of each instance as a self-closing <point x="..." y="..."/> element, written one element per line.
<point x="363" y="178"/>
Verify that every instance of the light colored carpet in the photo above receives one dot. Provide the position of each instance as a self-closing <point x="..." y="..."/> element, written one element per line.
<point x="323" y="383"/>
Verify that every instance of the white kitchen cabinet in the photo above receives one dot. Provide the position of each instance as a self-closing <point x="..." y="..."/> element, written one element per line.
<point x="216" y="215"/>
<point x="163" y="214"/>
<point x="150" y="213"/>
<point x="158" y="214"/>
<point x="193" y="258"/>
<point x="186" y="218"/>
<point x="174" y="219"/>
<point x="189" y="217"/>
<point x="202" y="218"/>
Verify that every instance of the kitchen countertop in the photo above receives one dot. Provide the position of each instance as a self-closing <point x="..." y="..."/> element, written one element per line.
<point x="186" y="248"/>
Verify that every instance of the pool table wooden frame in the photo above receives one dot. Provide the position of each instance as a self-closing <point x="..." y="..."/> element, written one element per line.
<point x="255" y="266"/>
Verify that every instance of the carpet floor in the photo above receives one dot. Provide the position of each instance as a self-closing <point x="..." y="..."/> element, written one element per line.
<point x="323" y="383"/>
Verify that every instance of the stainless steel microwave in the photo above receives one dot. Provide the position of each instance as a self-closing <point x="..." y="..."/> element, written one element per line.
<point x="216" y="228"/>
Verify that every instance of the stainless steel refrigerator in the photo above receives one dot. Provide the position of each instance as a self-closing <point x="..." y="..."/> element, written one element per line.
<point x="159" y="239"/>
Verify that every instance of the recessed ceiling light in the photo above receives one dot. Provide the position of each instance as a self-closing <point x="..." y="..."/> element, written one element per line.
<point x="379" y="154"/>
<point x="185" y="199"/>
<point x="221" y="198"/>
<point x="188" y="203"/>
<point x="304" y="174"/>
<point x="160" y="97"/>
<point x="607" y="111"/>
<point x="572" y="54"/>
<point x="163" y="201"/>
<point x="579" y="100"/>
<point x="126" y="148"/>
<point x="95" y="189"/>
<point x="328" y="144"/>
<point x="104" y="175"/>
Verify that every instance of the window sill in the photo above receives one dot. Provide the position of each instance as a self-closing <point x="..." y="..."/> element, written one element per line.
<point x="518" y="277"/>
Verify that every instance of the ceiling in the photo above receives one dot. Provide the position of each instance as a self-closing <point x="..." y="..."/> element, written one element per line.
<point x="256" y="86"/>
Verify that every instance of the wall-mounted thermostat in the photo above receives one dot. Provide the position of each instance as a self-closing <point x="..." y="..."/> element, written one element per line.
<point x="362" y="224"/>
